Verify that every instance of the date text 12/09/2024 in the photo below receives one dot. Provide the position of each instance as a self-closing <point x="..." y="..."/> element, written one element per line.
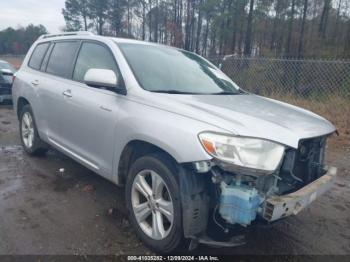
<point x="173" y="258"/>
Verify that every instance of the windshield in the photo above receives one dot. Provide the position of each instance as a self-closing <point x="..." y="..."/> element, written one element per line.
<point x="170" y="70"/>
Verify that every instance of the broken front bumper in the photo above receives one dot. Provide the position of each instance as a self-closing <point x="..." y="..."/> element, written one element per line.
<point x="277" y="207"/>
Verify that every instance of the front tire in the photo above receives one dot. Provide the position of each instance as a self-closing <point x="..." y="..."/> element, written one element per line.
<point x="31" y="141"/>
<point x="153" y="202"/>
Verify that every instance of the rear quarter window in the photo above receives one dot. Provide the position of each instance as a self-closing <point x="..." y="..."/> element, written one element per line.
<point x="62" y="58"/>
<point x="38" y="55"/>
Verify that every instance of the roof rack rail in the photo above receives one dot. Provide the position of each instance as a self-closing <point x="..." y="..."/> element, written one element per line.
<point x="66" y="34"/>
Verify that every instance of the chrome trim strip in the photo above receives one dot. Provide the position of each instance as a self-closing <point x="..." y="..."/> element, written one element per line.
<point x="87" y="162"/>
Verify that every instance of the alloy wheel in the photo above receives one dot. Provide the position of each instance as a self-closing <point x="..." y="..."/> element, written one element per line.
<point x="152" y="204"/>
<point x="27" y="130"/>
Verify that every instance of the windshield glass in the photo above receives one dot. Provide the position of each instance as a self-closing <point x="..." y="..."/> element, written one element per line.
<point x="170" y="70"/>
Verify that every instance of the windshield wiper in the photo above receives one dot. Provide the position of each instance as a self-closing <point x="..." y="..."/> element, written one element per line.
<point x="171" y="92"/>
<point x="226" y="93"/>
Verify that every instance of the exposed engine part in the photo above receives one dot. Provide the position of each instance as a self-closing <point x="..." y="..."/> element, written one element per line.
<point x="302" y="166"/>
<point x="216" y="177"/>
<point x="202" y="166"/>
<point x="241" y="192"/>
<point x="239" y="203"/>
<point x="276" y="207"/>
<point x="288" y="164"/>
<point x="240" y="170"/>
<point x="216" y="222"/>
<point x="266" y="185"/>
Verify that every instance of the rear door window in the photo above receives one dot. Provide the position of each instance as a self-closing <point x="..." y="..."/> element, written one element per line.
<point x="38" y="55"/>
<point x="93" y="55"/>
<point x="62" y="58"/>
<point x="46" y="58"/>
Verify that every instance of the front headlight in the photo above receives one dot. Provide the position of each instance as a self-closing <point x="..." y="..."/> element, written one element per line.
<point x="241" y="151"/>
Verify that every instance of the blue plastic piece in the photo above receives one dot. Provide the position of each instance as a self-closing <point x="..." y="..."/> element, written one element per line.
<point x="239" y="203"/>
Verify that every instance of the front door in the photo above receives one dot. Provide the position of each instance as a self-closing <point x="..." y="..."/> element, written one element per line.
<point x="89" y="125"/>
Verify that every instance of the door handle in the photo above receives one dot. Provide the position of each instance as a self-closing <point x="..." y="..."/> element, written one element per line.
<point x="35" y="82"/>
<point x="105" y="109"/>
<point x="67" y="93"/>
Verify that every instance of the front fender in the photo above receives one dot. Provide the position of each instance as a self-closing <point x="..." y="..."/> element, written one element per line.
<point x="173" y="133"/>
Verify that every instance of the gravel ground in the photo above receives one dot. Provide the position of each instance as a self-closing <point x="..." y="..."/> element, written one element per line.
<point x="44" y="212"/>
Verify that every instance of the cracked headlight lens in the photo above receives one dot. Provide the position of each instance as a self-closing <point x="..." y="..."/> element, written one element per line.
<point x="243" y="151"/>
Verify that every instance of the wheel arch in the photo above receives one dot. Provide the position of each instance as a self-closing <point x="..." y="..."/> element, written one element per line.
<point x="135" y="149"/>
<point x="21" y="102"/>
<point x="193" y="194"/>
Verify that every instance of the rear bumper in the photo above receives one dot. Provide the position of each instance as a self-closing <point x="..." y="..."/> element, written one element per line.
<point x="277" y="207"/>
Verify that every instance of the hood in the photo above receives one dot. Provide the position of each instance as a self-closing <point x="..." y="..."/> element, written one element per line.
<point x="249" y="115"/>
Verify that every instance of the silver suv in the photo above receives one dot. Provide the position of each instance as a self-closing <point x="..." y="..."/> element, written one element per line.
<point x="190" y="146"/>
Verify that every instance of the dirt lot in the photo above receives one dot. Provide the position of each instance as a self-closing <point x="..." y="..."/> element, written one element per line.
<point x="43" y="212"/>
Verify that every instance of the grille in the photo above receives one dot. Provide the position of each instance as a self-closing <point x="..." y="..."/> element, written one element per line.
<point x="309" y="158"/>
<point x="302" y="166"/>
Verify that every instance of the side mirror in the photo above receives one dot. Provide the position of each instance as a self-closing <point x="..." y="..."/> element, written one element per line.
<point x="102" y="78"/>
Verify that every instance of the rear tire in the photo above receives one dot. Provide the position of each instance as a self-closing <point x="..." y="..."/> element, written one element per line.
<point x="152" y="188"/>
<point x="31" y="141"/>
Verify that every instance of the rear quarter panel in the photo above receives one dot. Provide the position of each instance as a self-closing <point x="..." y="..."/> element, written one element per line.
<point x="22" y="88"/>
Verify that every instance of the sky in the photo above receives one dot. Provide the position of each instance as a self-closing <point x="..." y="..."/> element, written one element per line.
<point x="16" y="13"/>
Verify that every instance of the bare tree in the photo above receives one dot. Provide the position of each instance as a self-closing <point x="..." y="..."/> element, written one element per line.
<point x="272" y="27"/>
<point x="248" y="38"/>
<point x="290" y="29"/>
<point x="302" y="30"/>
<point x="324" y="18"/>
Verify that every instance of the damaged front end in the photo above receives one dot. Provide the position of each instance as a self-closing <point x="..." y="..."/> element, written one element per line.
<point x="240" y="195"/>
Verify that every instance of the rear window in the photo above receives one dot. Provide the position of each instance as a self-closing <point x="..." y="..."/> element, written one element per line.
<point x="62" y="58"/>
<point x="38" y="55"/>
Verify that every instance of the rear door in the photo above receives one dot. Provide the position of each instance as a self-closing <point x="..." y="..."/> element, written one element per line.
<point x="88" y="126"/>
<point x="32" y="78"/>
<point x="58" y="65"/>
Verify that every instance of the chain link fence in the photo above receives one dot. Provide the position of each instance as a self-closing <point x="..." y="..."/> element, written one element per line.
<point x="302" y="78"/>
<point x="322" y="86"/>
